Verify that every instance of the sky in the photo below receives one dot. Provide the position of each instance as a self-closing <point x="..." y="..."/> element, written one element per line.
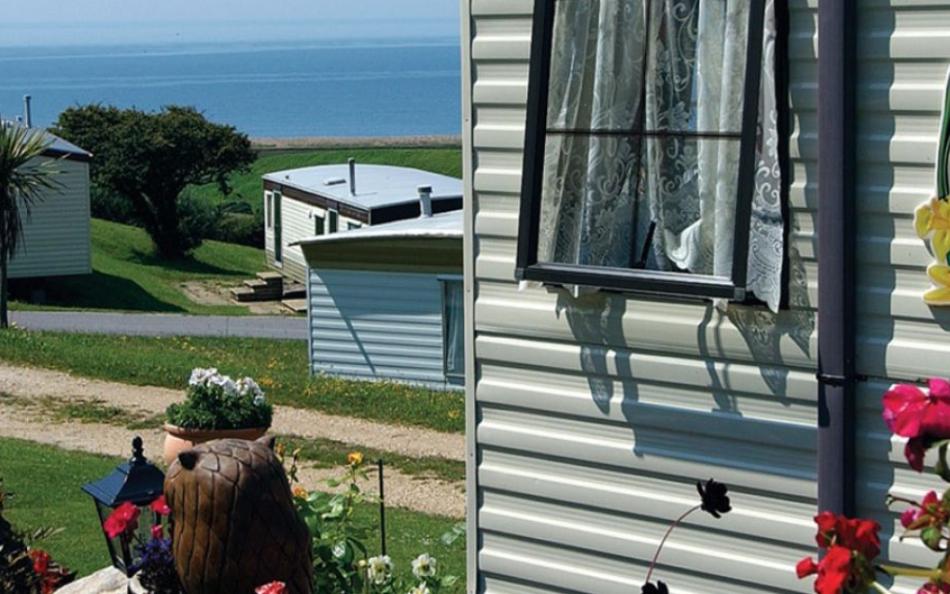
<point x="105" y="22"/>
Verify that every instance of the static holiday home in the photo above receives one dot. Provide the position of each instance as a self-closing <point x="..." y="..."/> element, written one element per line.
<point x="385" y="302"/>
<point x="56" y="235"/>
<point x="322" y="200"/>
<point x="690" y="252"/>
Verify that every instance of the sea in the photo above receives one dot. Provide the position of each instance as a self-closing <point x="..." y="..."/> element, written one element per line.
<point x="347" y="88"/>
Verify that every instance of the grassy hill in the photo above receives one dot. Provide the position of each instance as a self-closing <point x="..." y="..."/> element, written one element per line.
<point x="128" y="276"/>
<point x="247" y="186"/>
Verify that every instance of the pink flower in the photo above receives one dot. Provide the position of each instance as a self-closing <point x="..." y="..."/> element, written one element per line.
<point x="909" y="516"/>
<point x="272" y="588"/>
<point x="932" y="588"/>
<point x="160" y="507"/>
<point x="122" y="520"/>
<point x="157" y="532"/>
<point x="922" y="417"/>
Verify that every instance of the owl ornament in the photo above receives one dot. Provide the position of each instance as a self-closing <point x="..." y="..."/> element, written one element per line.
<point x="235" y="525"/>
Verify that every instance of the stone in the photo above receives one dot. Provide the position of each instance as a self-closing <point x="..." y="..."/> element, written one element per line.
<point x="105" y="581"/>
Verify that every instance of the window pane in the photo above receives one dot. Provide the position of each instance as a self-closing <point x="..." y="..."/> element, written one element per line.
<point x="660" y="203"/>
<point x="687" y="75"/>
<point x="318" y="225"/>
<point x="334" y="220"/>
<point x="454" y="329"/>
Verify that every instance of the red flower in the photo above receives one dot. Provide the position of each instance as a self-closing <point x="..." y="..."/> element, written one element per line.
<point x="160" y="507"/>
<point x="41" y="560"/>
<point x="827" y="523"/>
<point x="122" y="520"/>
<point x="272" y="588"/>
<point x="806" y="567"/>
<point x="834" y="570"/>
<point x="157" y="532"/>
<point x="932" y="588"/>
<point x="859" y="535"/>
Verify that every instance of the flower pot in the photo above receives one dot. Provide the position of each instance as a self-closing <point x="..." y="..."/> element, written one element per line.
<point x="179" y="439"/>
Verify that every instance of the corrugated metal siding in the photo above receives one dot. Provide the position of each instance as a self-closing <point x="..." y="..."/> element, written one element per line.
<point x="904" y="54"/>
<point x="380" y="325"/>
<point x="593" y="418"/>
<point x="56" y="235"/>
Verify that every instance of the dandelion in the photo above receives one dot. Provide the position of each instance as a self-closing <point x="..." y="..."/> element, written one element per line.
<point x="424" y="566"/>
<point x="354" y="458"/>
<point x="300" y="492"/>
<point x="379" y="569"/>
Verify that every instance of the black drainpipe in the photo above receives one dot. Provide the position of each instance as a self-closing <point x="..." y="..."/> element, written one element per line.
<point x="836" y="239"/>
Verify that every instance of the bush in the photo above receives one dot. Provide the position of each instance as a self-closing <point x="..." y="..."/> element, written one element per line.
<point x="196" y="219"/>
<point x="215" y="401"/>
<point x="112" y="207"/>
<point x="243" y="229"/>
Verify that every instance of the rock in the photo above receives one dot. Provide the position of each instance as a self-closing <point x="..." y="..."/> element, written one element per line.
<point x="105" y="581"/>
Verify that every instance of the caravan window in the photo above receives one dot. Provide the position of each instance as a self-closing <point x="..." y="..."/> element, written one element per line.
<point x="318" y="223"/>
<point x="333" y="221"/>
<point x="453" y="328"/>
<point x="651" y="159"/>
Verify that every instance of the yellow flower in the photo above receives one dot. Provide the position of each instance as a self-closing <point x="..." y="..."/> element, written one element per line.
<point x="354" y="458"/>
<point x="300" y="492"/>
<point x="932" y="220"/>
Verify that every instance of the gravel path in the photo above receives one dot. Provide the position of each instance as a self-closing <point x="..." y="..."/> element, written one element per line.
<point x="422" y="495"/>
<point x="32" y="382"/>
<point x="133" y="324"/>
<point x="430" y="496"/>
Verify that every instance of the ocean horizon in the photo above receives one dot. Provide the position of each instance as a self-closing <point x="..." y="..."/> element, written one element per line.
<point x="336" y="88"/>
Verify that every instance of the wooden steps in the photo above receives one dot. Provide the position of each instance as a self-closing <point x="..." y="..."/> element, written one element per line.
<point x="270" y="286"/>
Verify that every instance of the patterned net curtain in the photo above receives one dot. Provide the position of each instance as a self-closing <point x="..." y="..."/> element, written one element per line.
<point x="644" y="124"/>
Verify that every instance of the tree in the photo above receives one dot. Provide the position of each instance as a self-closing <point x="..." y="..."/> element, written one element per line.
<point x="24" y="178"/>
<point x="150" y="158"/>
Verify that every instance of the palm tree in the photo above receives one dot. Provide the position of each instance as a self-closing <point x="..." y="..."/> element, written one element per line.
<point x="23" y="180"/>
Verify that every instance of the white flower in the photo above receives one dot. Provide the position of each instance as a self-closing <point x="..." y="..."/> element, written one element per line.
<point x="420" y="589"/>
<point x="200" y="377"/>
<point x="379" y="569"/>
<point x="248" y="387"/>
<point x="424" y="566"/>
<point x="227" y="385"/>
<point x="259" y="400"/>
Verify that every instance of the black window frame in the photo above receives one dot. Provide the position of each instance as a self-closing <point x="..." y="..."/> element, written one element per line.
<point x="652" y="282"/>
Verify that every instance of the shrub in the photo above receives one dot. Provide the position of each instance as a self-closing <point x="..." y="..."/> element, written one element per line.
<point x="341" y="564"/>
<point x="240" y="228"/>
<point x="215" y="401"/>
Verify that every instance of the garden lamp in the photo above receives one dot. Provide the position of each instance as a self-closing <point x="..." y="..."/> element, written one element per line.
<point x="137" y="482"/>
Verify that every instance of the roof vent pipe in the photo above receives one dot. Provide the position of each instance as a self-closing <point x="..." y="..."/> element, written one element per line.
<point x="425" y="201"/>
<point x="27" y="111"/>
<point x="352" y="163"/>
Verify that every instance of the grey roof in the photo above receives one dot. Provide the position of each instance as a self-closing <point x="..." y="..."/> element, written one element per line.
<point x="64" y="146"/>
<point x="447" y="225"/>
<point x="376" y="185"/>
<point x="56" y="144"/>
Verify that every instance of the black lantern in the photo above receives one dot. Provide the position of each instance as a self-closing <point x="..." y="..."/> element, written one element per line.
<point x="137" y="482"/>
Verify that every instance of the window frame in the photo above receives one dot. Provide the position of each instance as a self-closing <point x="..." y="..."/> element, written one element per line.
<point x="653" y="282"/>
<point x="444" y="281"/>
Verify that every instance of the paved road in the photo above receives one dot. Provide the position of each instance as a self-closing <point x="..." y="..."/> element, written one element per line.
<point x="277" y="327"/>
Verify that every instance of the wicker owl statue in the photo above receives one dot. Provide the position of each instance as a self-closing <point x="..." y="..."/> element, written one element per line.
<point x="235" y="526"/>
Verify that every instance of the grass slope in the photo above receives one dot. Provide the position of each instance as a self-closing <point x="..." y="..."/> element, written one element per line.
<point x="247" y="186"/>
<point x="128" y="276"/>
<point x="46" y="481"/>
<point x="279" y="366"/>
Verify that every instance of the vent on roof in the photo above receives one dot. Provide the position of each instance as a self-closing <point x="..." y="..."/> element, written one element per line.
<point x="334" y="181"/>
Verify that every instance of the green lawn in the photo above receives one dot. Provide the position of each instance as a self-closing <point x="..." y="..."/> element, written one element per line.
<point x="279" y="366"/>
<point x="247" y="186"/>
<point x="45" y="482"/>
<point x="128" y="276"/>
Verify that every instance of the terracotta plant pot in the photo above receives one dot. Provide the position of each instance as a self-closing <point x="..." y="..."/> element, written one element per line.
<point x="178" y="439"/>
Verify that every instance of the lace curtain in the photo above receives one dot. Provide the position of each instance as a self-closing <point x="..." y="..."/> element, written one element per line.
<point x="644" y="117"/>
